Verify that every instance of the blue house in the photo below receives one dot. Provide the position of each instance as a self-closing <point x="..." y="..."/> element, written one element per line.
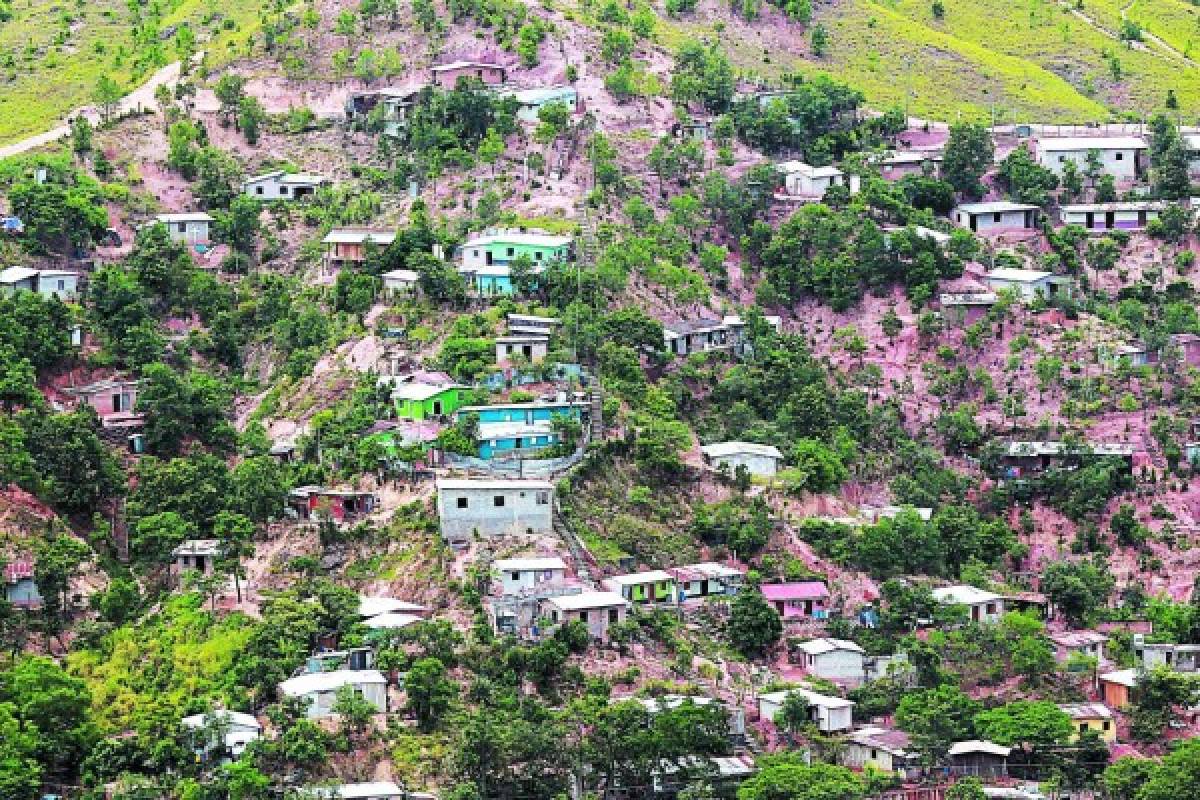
<point x="20" y="588"/>
<point x="526" y="413"/>
<point x="499" y="439"/>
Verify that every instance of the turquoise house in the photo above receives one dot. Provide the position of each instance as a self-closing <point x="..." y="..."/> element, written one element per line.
<point x="525" y="413"/>
<point x="499" y="439"/>
<point x="504" y="247"/>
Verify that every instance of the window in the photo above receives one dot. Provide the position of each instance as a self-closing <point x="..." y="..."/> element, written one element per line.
<point x="1083" y="727"/>
<point x="543" y="498"/>
<point x="258" y="190"/>
<point x="1119" y="156"/>
<point x="1107" y="724"/>
<point x="995" y="217"/>
<point x="538" y="255"/>
<point x="1061" y="159"/>
<point x="62" y="285"/>
<point x="516" y="576"/>
<point x="462" y="502"/>
<point x="182" y="227"/>
<point x="283" y="190"/>
<point x="510" y="252"/>
<point x="498" y="501"/>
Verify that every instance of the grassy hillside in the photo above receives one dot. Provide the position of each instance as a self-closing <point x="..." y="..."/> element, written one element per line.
<point x="51" y="54"/>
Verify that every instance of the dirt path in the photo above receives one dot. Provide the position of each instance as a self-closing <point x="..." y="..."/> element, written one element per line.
<point x="1151" y="37"/>
<point x="141" y="98"/>
<point x="1142" y="46"/>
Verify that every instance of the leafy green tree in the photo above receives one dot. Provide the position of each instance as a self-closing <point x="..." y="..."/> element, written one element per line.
<point x="1124" y="778"/>
<point x="179" y="407"/>
<point x="1177" y="776"/>
<point x="787" y="776"/>
<point x="429" y="691"/>
<point x="55" y="705"/>
<point x="968" y="155"/>
<point x="18" y="382"/>
<point x="230" y="90"/>
<point x="77" y="472"/>
<point x="937" y="718"/>
<point x="107" y="95"/>
<point x="20" y="772"/>
<point x="217" y="178"/>
<point x="1025" y="722"/>
<point x="794" y="714"/>
<point x="968" y="788"/>
<point x="754" y="627"/>
<point x="1077" y="590"/>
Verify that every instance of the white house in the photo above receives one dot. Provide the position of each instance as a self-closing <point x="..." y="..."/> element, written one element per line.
<point x="651" y="587"/>
<point x="236" y="730"/>
<point x="736" y="716"/>
<point x="391" y="621"/>
<point x="757" y="459"/>
<point x="1127" y="216"/>
<point x="802" y="180"/>
<point x="195" y="555"/>
<point x="494" y="507"/>
<point x="598" y="610"/>
<point x="319" y="689"/>
<point x="708" y="579"/>
<point x="400" y="282"/>
<point x="882" y="748"/>
<point x="982" y="606"/>
<point x="995" y="217"/>
<point x="830" y="714"/>
<point x="531" y="324"/>
<point x="503" y="246"/>
<point x="1192" y="142"/>
<point x="530" y="346"/>
<point x="696" y="336"/>
<point x="374" y="606"/>
<point x="59" y="283"/>
<point x="1028" y="283"/>
<point x="189" y="228"/>
<point x="1120" y="156"/>
<point x="518" y="574"/>
<point x="833" y="659"/>
<point x="280" y="185"/>
<point x="531" y="101"/>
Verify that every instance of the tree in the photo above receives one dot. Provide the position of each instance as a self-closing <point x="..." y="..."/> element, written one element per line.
<point x="356" y="713"/>
<point x="239" y="226"/>
<point x="969" y="788"/>
<point x="1077" y="590"/>
<point x="251" y="115"/>
<point x="230" y="90"/>
<point x="794" y="714"/>
<point x="1178" y="775"/>
<point x="1124" y="778"/>
<point x="754" y="626"/>
<point x="20" y="773"/>
<point x="819" y="40"/>
<point x="217" y="177"/>
<point x="18" y="382"/>
<point x="1025" y="722"/>
<point x="107" y="95"/>
<point x="968" y="154"/>
<point x="81" y="136"/>
<point x="54" y="704"/>
<point x="787" y="777"/>
<point x="429" y="691"/>
<point x="936" y="718"/>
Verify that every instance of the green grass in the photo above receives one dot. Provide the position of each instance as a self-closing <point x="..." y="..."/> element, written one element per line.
<point x="52" y="53"/>
<point x="1176" y="23"/>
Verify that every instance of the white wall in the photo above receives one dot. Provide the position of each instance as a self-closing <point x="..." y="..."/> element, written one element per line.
<point x="526" y="578"/>
<point x="837" y="665"/>
<point x="1121" y="164"/>
<point x="755" y="465"/>
<point x="524" y="510"/>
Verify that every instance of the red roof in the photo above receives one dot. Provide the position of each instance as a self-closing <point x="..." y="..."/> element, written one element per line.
<point x="804" y="590"/>
<point x="18" y="570"/>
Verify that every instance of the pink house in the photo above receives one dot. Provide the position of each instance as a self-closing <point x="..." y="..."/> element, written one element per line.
<point x="114" y="401"/>
<point x="1189" y="346"/>
<point x="446" y="76"/>
<point x="798" y="600"/>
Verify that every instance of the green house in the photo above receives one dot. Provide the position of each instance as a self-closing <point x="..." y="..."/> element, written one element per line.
<point x="654" y="586"/>
<point x="422" y="400"/>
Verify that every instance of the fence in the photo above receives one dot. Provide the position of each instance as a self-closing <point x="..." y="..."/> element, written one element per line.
<point x="515" y="468"/>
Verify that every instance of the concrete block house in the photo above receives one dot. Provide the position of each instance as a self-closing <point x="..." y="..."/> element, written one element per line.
<point x="419" y="401"/>
<point x="351" y="246"/>
<point x="532" y="347"/>
<point x="995" y="217"/>
<point x="886" y="749"/>
<point x="685" y="337"/>
<point x="114" y="400"/>
<point x="531" y="101"/>
<point x="1028" y="283"/>
<point x="761" y="460"/>
<point x="1089" y="644"/>
<point x="598" y="610"/>
<point x="836" y="660"/>
<point x="1123" y="157"/>
<point x="20" y="588"/>
<point x="494" y="507"/>
<point x="500" y="439"/>
<point x="447" y="76"/>
<point x="188" y="228"/>
<point x="896" y="165"/>
<point x="802" y="180"/>
<point x="981" y="605"/>
<point x="319" y="690"/>
<point x="1101" y="217"/>
<point x="60" y="283"/>
<point x="653" y="587"/>
<point x="801" y="600"/>
<point x="829" y="714"/>
<point x="515" y="575"/>
<point x="342" y="505"/>
<point x="280" y="185"/>
<point x="708" y="579"/>
<point x="195" y="555"/>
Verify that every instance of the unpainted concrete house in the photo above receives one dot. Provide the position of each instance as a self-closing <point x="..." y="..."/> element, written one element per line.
<point x="995" y="217"/>
<point x="757" y="459"/>
<point x="494" y="507"/>
<point x="1122" y="157"/>
<point x="447" y="76"/>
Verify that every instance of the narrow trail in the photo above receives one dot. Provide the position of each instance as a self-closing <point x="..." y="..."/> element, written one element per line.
<point x="1156" y="40"/>
<point x="1166" y="49"/>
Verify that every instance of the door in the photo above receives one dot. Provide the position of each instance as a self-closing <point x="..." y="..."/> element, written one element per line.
<point x="1090" y="220"/>
<point x="487" y="257"/>
<point x="1110" y="220"/>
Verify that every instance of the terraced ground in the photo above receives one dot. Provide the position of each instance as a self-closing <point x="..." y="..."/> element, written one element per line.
<point x="52" y="54"/>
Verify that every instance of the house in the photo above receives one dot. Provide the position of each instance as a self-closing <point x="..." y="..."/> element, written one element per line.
<point x="882" y="748"/>
<point x="708" y="579"/>
<point x="391" y="621"/>
<point x="980" y="758"/>
<point x="374" y="606"/>
<point x="20" y="585"/>
<point x="1113" y="356"/>
<point x="736" y="716"/>
<point x="342" y="505"/>
<point x="345" y="246"/>
<point x="531" y="101"/>
<point x="805" y="599"/>
<point x="1116" y="687"/>
<point x="355" y="659"/>
<point x="833" y="659"/>
<point x="227" y="731"/>
<point x="899" y="164"/>
<point x="531" y="347"/>
<point x="59" y="283"/>
<point x="1178" y="657"/>
<point x="375" y="790"/>
<point x="1122" y="157"/>
<point x="504" y="246"/>
<point x="1187" y="345"/>
<point x="394" y="104"/>
<point x="418" y="400"/>
<point x="1094" y="717"/>
<point x="1022" y="459"/>
<point x="696" y="336"/>
<point x="1089" y="644"/>
<point x="447" y="76"/>
<point x="529" y="324"/>
<point x="761" y="460"/>
<point x="644" y="588"/>
<point x="830" y="714"/>
<point x="319" y="689"/>
<point x="1028" y="283"/>
<point x="1127" y="216"/>
<point x="280" y="185"/>
<point x="598" y="610"/>
<point x="189" y="228"/>
<point x="195" y="555"/>
<point x="982" y="606"/>
<point x="802" y="180"/>
<point x="494" y="507"/>
<point x="995" y="217"/>
<point x="499" y="439"/>
<point x="400" y="282"/>
<point x="965" y="308"/>
<point x="113" y="400"/>
<point x="518" y="574"/>
<point x="528" y="413"/>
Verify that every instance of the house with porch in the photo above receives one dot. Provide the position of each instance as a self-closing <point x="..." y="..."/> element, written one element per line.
<point x="280" y="185"/>
<point x="653" y="587"/>
<point x="447" y="76"/>
<point x="319" y="690"/>
<point x="528" y="413"/>
<point x="802" y="180"/>
<point x="761" y="460"/>
<point x="886" y="749"/>
<point x="506" y="439"/>
<point x="965" y="308"/>
<point x="531" y="325"/>
<point x="685" y="337"/>
<point x="995" y="217"/>
<point x="1023" y="459"/>
<point x="20" y="586"/>
<point x="598" y="610"/>
<point x="980" y="758"/>
<point x="829" y="714"/>
<point x="114" y="400"/>
<point x="1178" y="657"/>
<point x="400" y="282"/>
<point x="417" y="400"/>
<point x="707" y="579"/>
<point x="515" y="575"/>
<point x="531" y="347"/>
<point x="982" y="606"/>
<point x="490" y="507"/>
<point x="342" y="505"/>
<point x="1102" y="217"/>
<point x="190" y="228"/>
<point x="1028" y="283"/>
<point x="1123" y="157"/>
<point x="798" y="600"/>
<point x="899" y="164"/>
<point x="60" y="283"/>
<point x="351" y="246"/>
<point x="195" y="555"/>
